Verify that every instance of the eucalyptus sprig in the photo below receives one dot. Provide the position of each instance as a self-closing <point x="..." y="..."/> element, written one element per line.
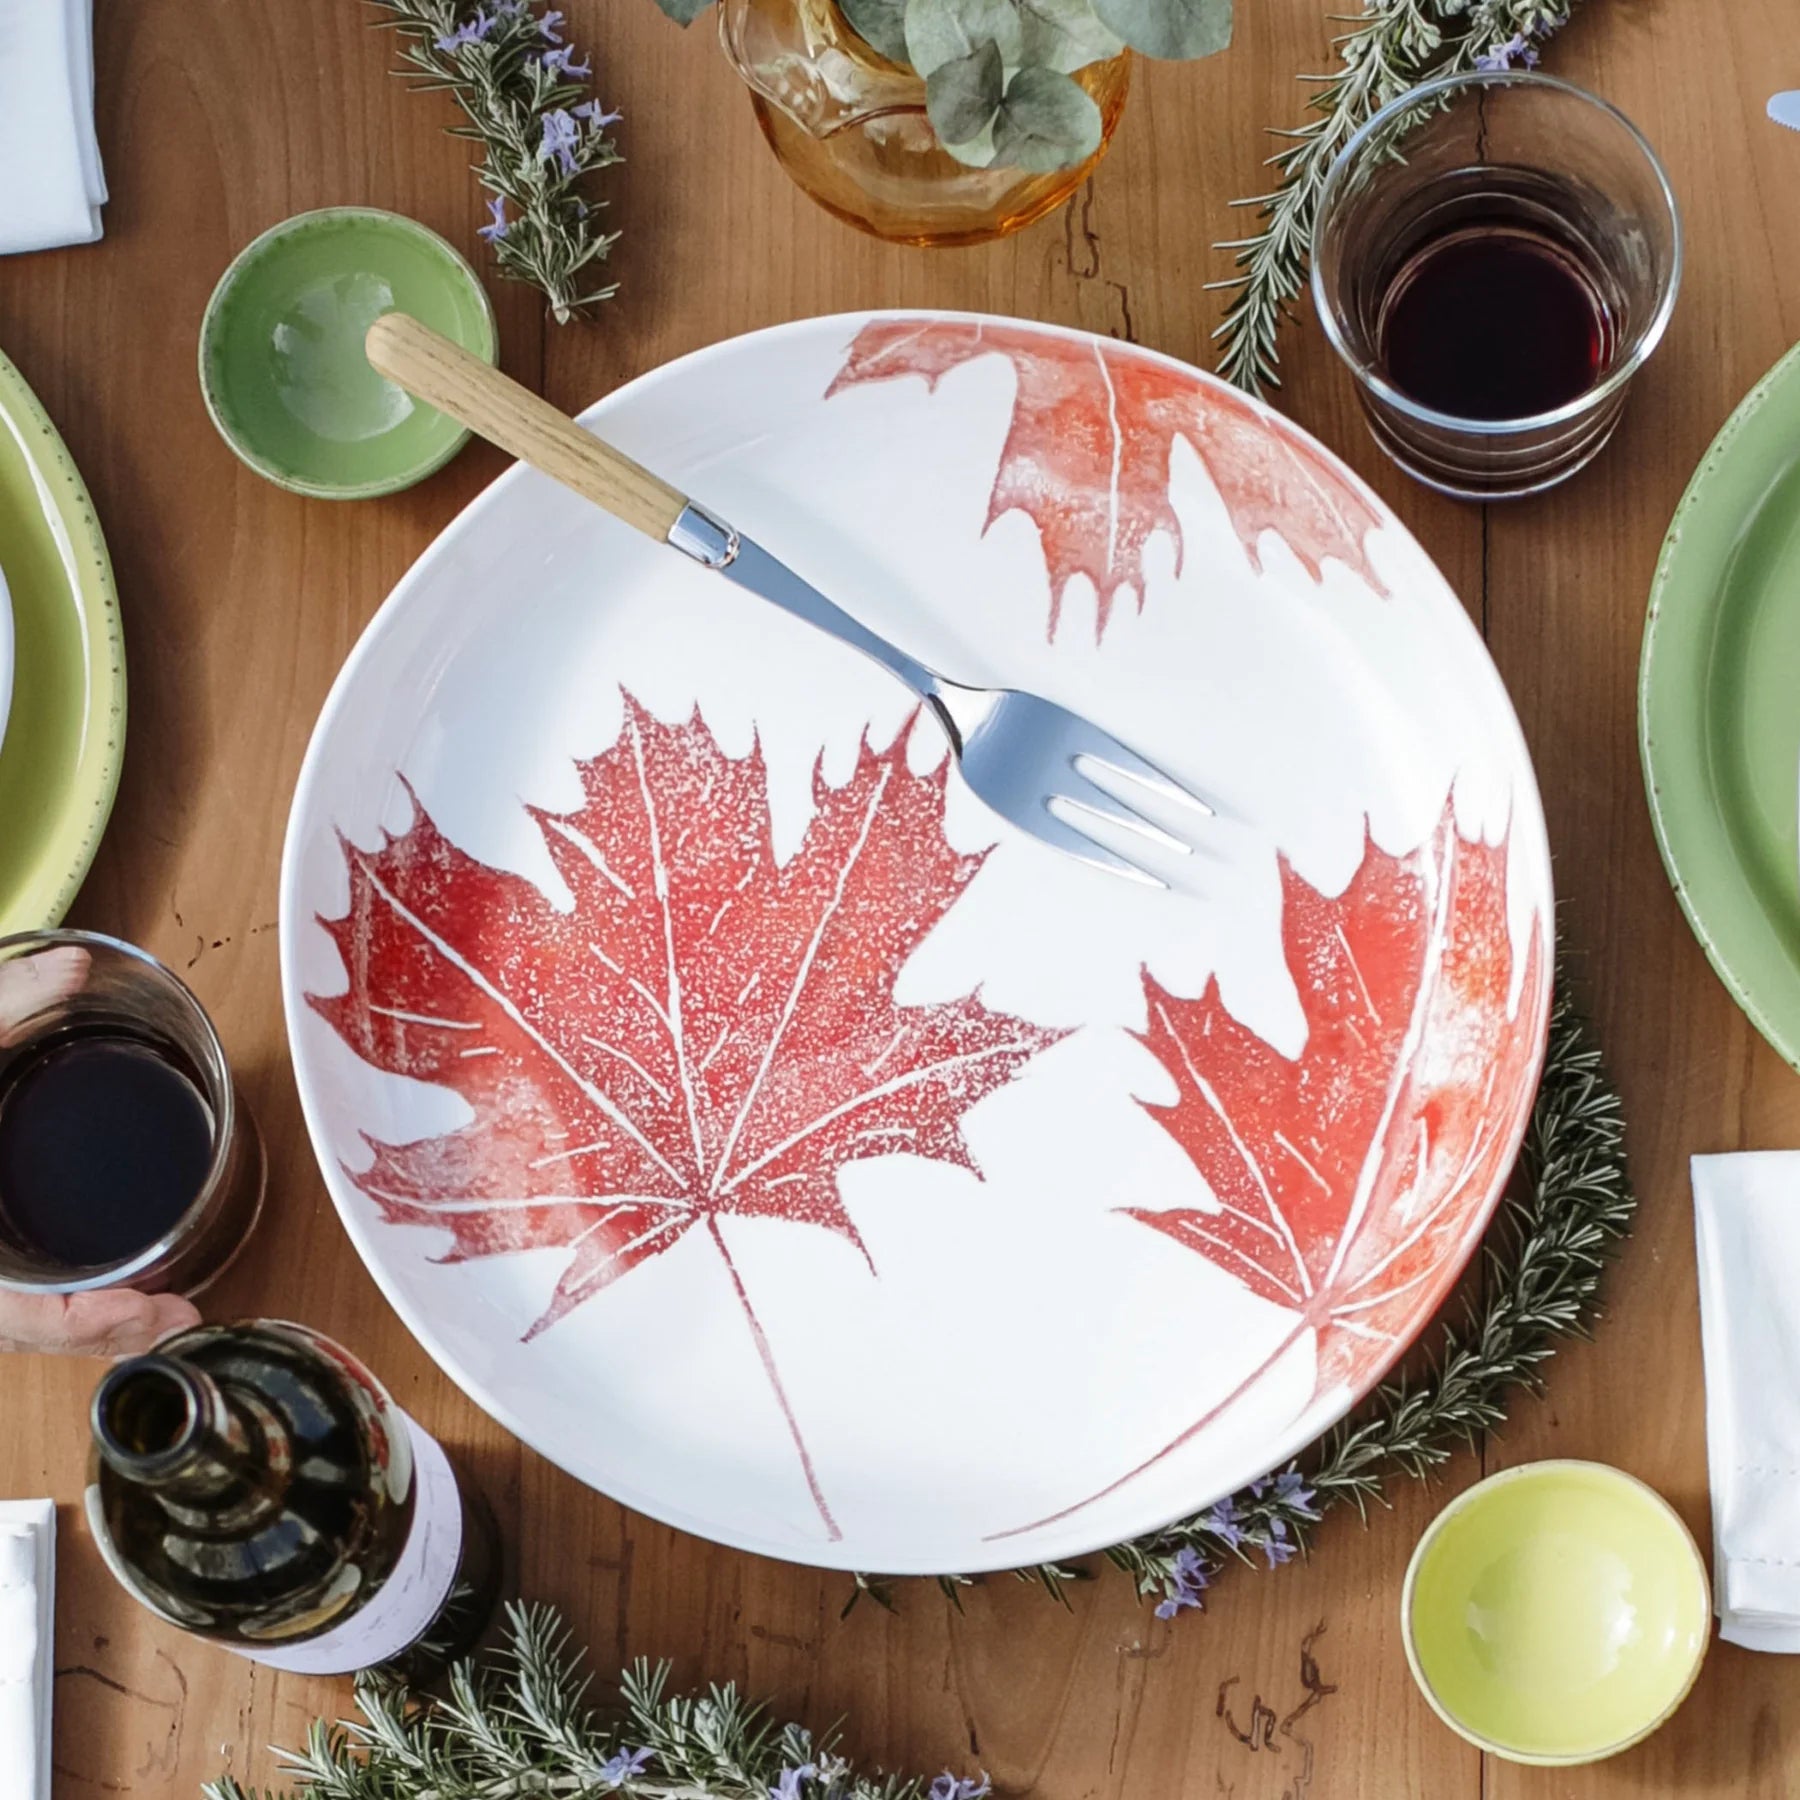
<point x="524" y="92"/>
<point x="1000" y="85"/>
<point x="520" y="1723"/>
<point x="1392" y="45"/>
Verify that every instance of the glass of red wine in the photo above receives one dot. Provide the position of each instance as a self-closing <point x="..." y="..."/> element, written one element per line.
<point x="1496" y="254"/>
<point x="127" y="1155"/>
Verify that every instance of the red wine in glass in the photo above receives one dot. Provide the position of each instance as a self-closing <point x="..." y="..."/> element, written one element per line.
<point x="1494" y="319"/>
<point x="127" y="1155"/>
<point x="105" y="1141"/>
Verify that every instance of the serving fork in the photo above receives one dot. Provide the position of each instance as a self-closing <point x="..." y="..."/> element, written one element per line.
<point x="1047" y="770"/>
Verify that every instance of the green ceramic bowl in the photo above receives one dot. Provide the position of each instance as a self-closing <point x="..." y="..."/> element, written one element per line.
<point x="1556" y="1613"/>
<point x="281" y="351"/>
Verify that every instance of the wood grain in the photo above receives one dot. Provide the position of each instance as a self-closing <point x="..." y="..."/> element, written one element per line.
<point x="219" y="117"/>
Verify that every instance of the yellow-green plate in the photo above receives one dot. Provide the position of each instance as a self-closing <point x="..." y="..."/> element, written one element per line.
<point x="65" y="735"/>
<point x="1719" y="704"/>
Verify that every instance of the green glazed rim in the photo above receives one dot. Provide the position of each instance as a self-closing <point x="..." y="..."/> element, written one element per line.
<point x="1473" y="1496"/>
<point x="1754" y="449"/>
<point x="210" y="326"/>
<point x="87" y="606"/>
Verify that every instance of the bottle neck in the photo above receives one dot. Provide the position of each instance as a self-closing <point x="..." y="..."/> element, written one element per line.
<point x="164" y="1424"/>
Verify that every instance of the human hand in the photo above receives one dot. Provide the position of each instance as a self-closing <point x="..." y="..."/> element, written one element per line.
<point x="105" y="1322"/>
<point x="29" y="984"/>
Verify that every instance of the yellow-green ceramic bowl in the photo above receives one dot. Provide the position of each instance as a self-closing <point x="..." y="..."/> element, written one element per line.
<point x="1556" y="1613"/>
<point x="281" y="351"/>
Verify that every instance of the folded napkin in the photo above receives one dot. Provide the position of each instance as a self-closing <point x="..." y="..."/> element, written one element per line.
<point x="49" y="155"/>
<point x="27" y="1583"/>
<point x="1747" y="1224"/>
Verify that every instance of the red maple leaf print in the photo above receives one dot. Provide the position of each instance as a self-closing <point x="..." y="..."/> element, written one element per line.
<point x="1093" y="428"/>
<point x="705" y="1032"/>
<point x="1353" y="1180"/>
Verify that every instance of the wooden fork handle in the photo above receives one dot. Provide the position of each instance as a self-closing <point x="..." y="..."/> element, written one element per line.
<point x="496" y="407"/>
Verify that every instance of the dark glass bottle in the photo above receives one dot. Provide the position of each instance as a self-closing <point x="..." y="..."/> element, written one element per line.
<point x="256" y="1484"/>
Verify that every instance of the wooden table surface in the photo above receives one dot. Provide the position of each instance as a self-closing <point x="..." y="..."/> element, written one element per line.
<point x="219" y="117"/>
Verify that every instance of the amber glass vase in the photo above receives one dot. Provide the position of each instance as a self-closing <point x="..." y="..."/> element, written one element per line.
<point x="850" y="127"/>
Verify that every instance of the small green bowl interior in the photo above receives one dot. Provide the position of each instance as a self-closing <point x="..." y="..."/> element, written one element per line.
<point x="281" y="351"/>
<point x="1556" y="1613"/>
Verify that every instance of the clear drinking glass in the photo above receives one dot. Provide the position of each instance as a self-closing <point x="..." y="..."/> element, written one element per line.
<point x="184" y="1200"/>
<point x="1503" y="154"/>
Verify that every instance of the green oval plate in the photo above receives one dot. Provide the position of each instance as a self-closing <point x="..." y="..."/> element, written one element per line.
<point x="1719" y="704"/>
<point x="65" y="735"/>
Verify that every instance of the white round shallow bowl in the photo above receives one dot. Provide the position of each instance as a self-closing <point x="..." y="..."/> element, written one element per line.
<point x="760" y="1130"/>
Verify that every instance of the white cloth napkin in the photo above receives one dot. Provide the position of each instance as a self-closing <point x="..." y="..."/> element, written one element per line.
<point x="27" y="1597"/>
<point x="50" y="172"/>
<point x="1747" y="1225"/>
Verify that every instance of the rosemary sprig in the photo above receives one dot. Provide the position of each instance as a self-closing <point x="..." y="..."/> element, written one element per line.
<point x="519" y="1724"/>
<point x="1391" y="46"/>
<point x="1571" y="1208"/>
<point x="525" y="96"/>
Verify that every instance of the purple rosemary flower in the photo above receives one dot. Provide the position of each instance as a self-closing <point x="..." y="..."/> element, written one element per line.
<point x="1225" y="1522"/>
<point x="1290" y="1486"/>
<point x="1188" y="1580"/>
<point x="497" y="212"/>
<point x="788" y="1782"/>
<point x="1279" y="1549"/>
<point x="561" y="135"/>
<point x="597" y="116"/>
<point x="1516" y="54"/>
<point x="562" y="62"/>
<point x="960" y="1787"/>
<point x="548" y="24"/>
<point x="1259" y="1487"/>
<point x="622" y="1765"/>
<point x="471" y="31"/>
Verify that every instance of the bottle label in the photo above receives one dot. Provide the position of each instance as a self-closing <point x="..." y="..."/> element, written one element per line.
<point x="410" y="1599"/>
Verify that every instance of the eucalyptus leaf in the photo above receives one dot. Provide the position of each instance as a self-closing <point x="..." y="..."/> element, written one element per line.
<point x="1178" y="29"/>
<point x="941" y="31"/>
<point x="685" y="12"/>
<point x="978" y="152"/>
<point x="1065" y="35"/>
<point x="963" y="96"/>
<point x="882" y="23"/>
<point x="1046" y="122"/>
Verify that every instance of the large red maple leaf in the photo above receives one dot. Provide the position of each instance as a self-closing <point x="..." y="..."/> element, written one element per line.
<point x="1351" y="1182"/>
<point x="1093" y="428"/>
<point x="705" y="1032"/>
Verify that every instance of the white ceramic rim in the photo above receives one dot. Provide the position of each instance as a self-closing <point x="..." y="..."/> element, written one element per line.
<point x="1526" y="1471"/>
<point x="359" y="1228"/>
